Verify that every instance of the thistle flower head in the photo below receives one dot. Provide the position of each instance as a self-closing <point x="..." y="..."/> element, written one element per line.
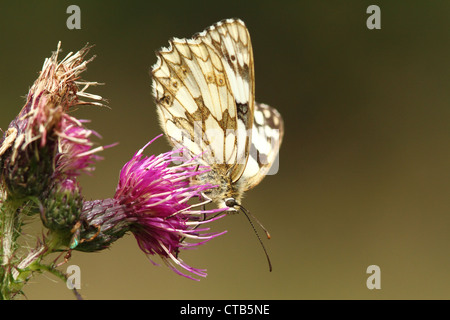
<point x="158" y="196"/>
<point x="153" y="198"/>
<point x="29" y="146"/>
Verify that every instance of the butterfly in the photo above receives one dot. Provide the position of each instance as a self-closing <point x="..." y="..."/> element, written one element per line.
<point x="205" y="96"/>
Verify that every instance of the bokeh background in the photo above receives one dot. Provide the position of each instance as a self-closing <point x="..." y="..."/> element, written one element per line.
<point x="364" y="167"/>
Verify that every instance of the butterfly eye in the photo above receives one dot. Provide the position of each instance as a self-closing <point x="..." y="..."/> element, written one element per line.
<point x="230" y="202"/>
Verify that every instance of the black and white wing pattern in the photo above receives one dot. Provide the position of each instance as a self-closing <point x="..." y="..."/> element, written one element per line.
<point x="267" y="134"/>
<point x="204" y="92"/>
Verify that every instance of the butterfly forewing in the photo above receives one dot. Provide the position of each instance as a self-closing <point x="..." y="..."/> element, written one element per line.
<point x="204" y="91"/>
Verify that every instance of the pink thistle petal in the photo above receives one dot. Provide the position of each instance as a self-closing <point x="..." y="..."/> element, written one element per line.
<point x="157" y="195"/>
<point x="76" y="153"/>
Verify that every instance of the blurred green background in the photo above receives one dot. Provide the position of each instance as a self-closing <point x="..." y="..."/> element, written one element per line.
<point x="364" y="167"/>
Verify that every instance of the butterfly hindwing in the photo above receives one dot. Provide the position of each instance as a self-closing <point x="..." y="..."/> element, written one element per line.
<point x="267" y="135"/>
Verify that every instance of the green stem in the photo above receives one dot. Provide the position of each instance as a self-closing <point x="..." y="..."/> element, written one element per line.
<point x="10" y="226"/>
<point x="15" y="272"/>
<point x="59" y="274"/>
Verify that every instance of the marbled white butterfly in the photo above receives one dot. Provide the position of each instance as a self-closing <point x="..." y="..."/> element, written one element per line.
<point x="204" y="91"/>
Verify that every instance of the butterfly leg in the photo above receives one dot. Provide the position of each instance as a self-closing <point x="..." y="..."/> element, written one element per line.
<point x="190" y="207"/>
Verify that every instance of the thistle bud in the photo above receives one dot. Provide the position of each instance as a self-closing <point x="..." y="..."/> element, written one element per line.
<point x="62" y="208"/>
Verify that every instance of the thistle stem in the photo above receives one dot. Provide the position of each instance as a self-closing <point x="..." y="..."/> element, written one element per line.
<point x="10" y="226"/>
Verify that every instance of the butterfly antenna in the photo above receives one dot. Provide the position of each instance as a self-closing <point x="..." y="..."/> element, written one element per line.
<point x="247" y="213"/>
<point x="256" y="219"/>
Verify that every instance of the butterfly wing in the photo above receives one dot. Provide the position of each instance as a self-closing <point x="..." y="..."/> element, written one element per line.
<point x="204" y="91"/>
<point x="267" y="134"/>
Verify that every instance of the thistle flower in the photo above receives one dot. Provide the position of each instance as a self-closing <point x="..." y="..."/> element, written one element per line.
<point x="29" y="146"/>
<point x="45" y="149"/>
<point x="42" y="152"/>
<point x="151" y="201"/>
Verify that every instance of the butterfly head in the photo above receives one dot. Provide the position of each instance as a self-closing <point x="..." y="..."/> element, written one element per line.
<point x="232" y="204"/>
